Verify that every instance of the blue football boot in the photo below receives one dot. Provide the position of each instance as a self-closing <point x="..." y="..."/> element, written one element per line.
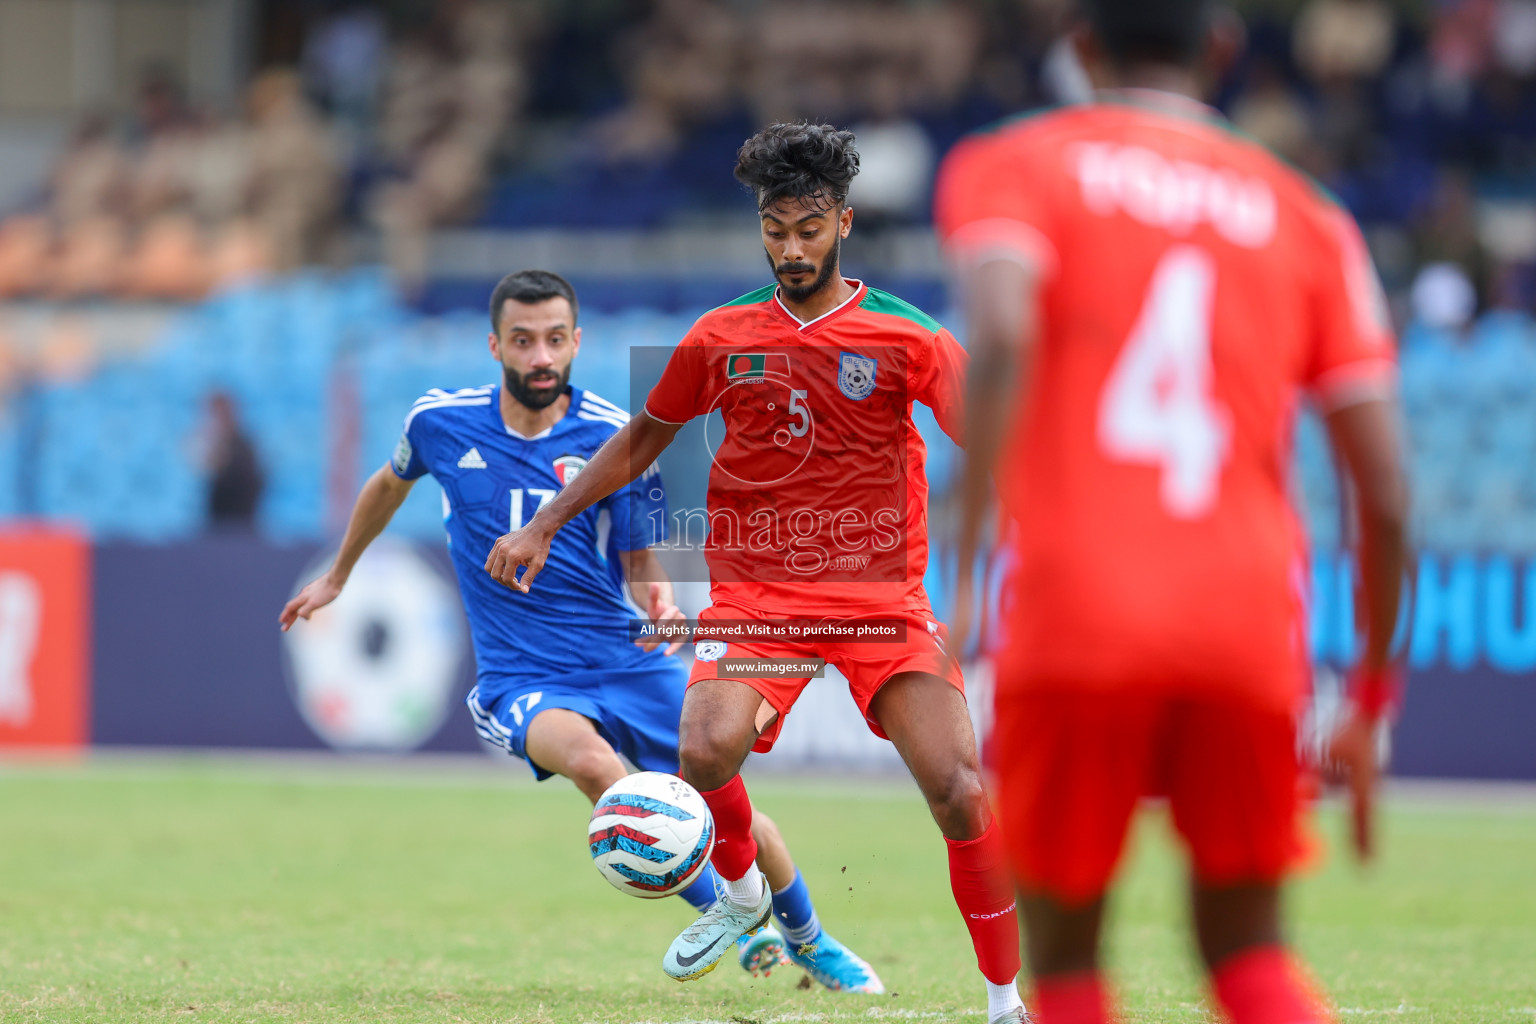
<point x="836" y="966"/>
<point x="760" y="953"/>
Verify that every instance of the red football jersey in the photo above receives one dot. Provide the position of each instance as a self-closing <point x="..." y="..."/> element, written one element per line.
<point x="1191" y="290"/>
<point x="817" y="495"/>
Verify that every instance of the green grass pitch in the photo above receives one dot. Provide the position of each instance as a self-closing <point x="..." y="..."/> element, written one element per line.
<point x="213" y="890"/>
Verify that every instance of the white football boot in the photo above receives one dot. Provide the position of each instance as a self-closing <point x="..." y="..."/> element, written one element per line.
<point x="1017" y="1015"/>
<point x="698" y="950"/>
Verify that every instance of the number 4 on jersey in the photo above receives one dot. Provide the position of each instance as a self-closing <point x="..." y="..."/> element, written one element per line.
<point x="1157" y="407"/>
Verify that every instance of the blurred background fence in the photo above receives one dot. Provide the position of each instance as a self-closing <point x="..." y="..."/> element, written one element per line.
<point x="238" y="237"/>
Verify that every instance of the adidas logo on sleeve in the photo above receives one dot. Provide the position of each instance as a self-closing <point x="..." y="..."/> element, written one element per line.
<point x="471" y="460"/>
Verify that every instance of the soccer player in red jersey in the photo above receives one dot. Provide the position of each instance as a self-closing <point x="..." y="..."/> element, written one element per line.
<point x="1150" y="297"/>
<point x="817" y="514"/>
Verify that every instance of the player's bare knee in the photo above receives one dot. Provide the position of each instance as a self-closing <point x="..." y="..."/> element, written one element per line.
<point x="959" y="804"/>
<point x="706" y="758"/>
<point x="593" y="768"/>
<point x="764" y="830"/>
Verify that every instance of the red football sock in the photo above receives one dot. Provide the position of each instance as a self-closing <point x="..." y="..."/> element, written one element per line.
<point x="735" y="849"/>
<point x="984" y="895"/>
<point x="1265" y="986"/>
<point x="1072" y="999"/>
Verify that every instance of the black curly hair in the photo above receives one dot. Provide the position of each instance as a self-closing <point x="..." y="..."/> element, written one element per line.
<point x="1154" y="31"/>
<point x="810" y="162"/>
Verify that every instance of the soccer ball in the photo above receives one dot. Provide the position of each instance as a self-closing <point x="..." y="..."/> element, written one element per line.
<point x="651" y="834"/>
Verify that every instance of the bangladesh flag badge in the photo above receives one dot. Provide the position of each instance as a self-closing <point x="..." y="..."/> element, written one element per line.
<point x="745" y="365"/>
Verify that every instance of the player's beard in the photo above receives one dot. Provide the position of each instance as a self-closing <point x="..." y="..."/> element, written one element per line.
<point x="535" y="398"/>
<point x="802" y="292"/>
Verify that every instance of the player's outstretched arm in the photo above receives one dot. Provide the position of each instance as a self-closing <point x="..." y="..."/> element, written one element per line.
<point x="1365" y="438"/>
<point x="998" y="298"/>
<point x="621" y="459"/>
<point x="376" y="505"/>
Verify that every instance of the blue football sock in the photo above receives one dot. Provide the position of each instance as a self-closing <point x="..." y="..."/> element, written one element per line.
<point x="797" y="917"/>
<point x="700" y="893"/>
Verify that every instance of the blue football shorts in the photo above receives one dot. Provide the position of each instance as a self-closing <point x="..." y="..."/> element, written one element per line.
<point x="635" y="708"/>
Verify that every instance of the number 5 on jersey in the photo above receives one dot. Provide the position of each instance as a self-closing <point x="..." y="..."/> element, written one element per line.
<point x="1157" y="408"/>
<point x="544" y="495"/>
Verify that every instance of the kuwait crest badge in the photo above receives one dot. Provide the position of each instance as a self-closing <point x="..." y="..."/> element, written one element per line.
<point x="567" y="466"/>
<point x="856" y="376"/>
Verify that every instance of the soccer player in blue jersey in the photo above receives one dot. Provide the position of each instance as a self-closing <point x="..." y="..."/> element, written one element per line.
<point x="559" y="684"/>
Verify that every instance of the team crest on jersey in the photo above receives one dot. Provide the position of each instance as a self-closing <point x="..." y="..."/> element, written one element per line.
<point x="567" y="466"/>
<point x="708" y="650"/>
<point x="856" y="376"/>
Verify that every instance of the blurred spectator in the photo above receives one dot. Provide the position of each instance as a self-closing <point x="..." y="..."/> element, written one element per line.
<point x="1460" y="39"/>
<point x="896" y="158"/>
<point x="90" y="178"/>
<point x="1443" y="298"/>
<point x="1344" y="39"/>
<point x="158" y="179"/>
<point x="418" y="90"/>
<point x="1272" y="112"/>
<point x="170" y="261"/>
<point x="344" y="61"/>
<point x="91" y="260"/>
<point x="1446" y="233"/>
<point x="235" y="479"/>
<point x="933" y="49"/>
<point x="1514" y="37"/>
<point x="295" y="187"/>
<point x="449" y="103"/>
<point x="218" y="171"/>
<point x="682" y="69"/>
<point x="26" y="250"/>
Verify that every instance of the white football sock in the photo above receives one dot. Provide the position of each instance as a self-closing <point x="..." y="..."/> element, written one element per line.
<point x="1002" y="998"/>
<point x="746" y="891"/>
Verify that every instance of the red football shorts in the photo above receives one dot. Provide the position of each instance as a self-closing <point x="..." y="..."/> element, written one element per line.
<point x="1072" y="766"/>
<point x="866" y="665"/>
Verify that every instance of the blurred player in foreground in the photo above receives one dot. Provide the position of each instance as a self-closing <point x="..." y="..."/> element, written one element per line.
<point x="817" y="513"/>
<point x="559" y="683"/>
<point x="1149" y="298"/>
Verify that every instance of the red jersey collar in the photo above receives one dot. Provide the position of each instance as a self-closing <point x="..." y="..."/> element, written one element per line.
<point x="859" y="291"/>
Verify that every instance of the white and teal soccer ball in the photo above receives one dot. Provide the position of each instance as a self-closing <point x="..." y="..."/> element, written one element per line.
<point x="651" y="834"/>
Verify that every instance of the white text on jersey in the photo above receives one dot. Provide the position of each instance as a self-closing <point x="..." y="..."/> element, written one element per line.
<point x="1175" y="195"/>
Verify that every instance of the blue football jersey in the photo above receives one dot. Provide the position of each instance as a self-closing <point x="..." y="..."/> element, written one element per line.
<point x="493" y="481"/>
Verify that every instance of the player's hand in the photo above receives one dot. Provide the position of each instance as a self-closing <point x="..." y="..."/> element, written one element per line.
<point x="524" y="549"/>
<point x="315" y="595"/>
<point x="1350" y="757"/>
<point x="661" y="611"/>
